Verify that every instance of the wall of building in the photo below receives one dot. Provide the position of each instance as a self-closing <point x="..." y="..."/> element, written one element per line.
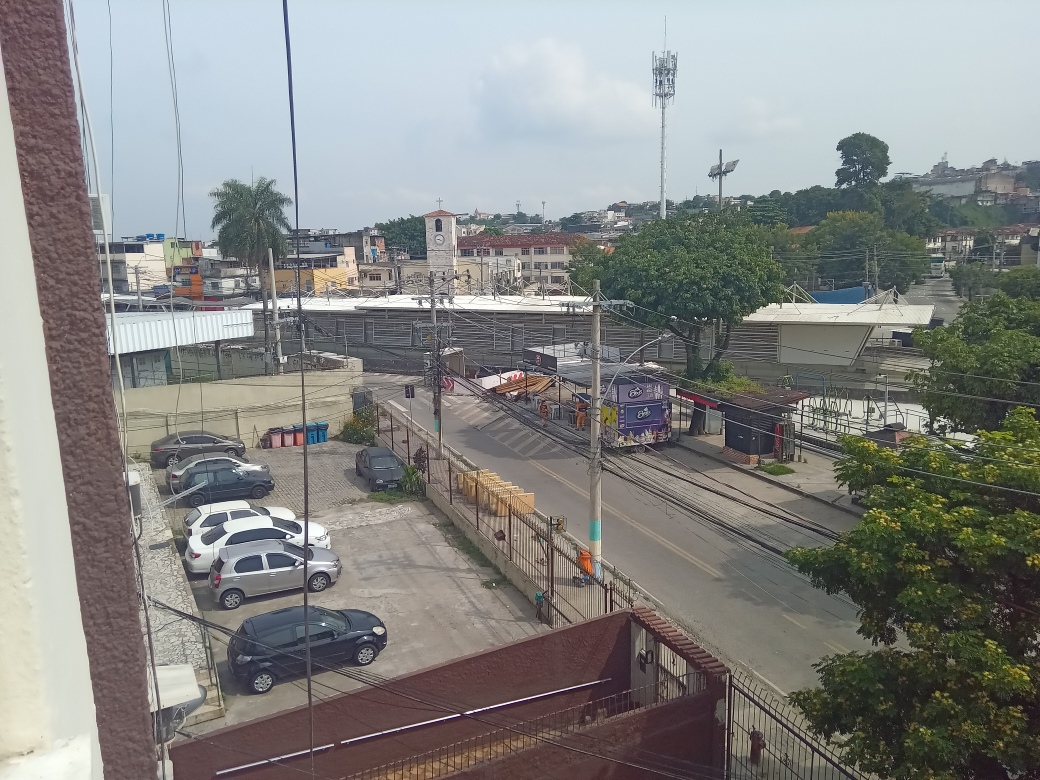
<point x="594" y="650"/>
<point x="238" y="408"/>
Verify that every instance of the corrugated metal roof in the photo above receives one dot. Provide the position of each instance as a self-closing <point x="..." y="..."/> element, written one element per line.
<point x="151" y="330"/>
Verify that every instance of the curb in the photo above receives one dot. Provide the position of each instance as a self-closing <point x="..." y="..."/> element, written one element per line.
<point x="766" y="478"/>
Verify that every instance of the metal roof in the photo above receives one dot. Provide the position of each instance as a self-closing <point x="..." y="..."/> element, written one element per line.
<point x="462" y="303"/>
<point x="842" y="314"/>
<point x="151" y="330"/>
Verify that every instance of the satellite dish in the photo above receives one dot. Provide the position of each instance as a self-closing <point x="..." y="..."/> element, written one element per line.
<point x="730" y="166"/>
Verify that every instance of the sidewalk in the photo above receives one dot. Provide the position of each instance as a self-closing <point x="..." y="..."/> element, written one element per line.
<point x="813" y="478"/>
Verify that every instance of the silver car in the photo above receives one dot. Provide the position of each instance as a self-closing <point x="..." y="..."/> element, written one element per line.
<point x="256" y="568"/>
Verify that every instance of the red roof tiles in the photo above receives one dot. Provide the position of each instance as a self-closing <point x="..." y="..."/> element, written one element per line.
<point x="440" y="213"/>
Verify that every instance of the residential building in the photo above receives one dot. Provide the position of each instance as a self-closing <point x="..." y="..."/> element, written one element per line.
<point x="229" y="277"/>
<point x="132" y="261"/>
<point x="322" y="271"/>
<point x="952" y="243"/>
<point x="1030" y="247"/>
<point x="544" y="257"/>
<point x="368" y="243"/>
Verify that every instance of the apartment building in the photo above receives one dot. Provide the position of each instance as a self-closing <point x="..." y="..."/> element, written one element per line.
<point x="544" y="257"/>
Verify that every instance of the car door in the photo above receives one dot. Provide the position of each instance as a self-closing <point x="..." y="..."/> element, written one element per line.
<point x="325" y="649"/>
<point x="191" y="445"/>
<point x="226" y="483"/>
<point x="248" y="575"/>
<point x="279" y="644"/>
<point x="284" y="572"/>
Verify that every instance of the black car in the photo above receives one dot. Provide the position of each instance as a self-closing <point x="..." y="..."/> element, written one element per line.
<point x="380" y="467"/>
<point x="185" y="444"/>
<point x="226" y="484"/>
<point x="270" y="646"/>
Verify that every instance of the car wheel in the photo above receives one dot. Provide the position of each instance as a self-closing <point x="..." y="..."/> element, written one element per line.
<point x="173" y="460"/>
<point x="231" y="451"/>
<point x="365" y="655"/>
<point x="261" y="682"/>
<point x="318" y="583"/>
<point x="232" y="599"/>
<point x="258" y="492"/>
<point x="196" y="499"/>
<point x="371" y="486"/>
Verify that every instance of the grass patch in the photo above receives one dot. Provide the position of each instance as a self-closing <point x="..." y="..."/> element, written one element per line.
<point x="776" y="469"/>
<point x="462" y="543"/>
<point x="392" y="497"/>
<point x="492" y="584"/>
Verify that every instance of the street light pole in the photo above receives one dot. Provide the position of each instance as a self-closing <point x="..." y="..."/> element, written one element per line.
<point x="436" y="366"/>
<point x="595" y="447"/>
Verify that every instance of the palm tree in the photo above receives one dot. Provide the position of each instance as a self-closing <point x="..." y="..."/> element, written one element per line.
<point x="250" y="219"/>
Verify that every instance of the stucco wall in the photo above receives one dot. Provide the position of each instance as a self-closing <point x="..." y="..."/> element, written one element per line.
<point x="244" y="407"/>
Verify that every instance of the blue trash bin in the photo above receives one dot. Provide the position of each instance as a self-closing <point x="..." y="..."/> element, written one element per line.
<point x="323" y="432"/>
<point x="312" y="433"/>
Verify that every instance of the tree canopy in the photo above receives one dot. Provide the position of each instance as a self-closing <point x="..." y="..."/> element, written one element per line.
<point x="969" y="279"/>
<point x="407" y="233"/>
<point x="984" y="363"/>
<point x="864" y="160"/>
<point x="948" y="558"/>
<point x="1021" y="282"/>
<point x="249" y="219"/>
<point x="705" y="269"/>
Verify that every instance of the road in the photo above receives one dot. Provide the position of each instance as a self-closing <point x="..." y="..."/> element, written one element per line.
<point x="939" y="293"/>
<point x="737" y="597"/>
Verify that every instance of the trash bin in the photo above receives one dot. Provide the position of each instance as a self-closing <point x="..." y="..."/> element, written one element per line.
<point x="287" y="436"/>
<point x="323" y="432"/>
<point x="275" y="435"/>
<point x="312" y="433"/>
<point x="298" y="435"/>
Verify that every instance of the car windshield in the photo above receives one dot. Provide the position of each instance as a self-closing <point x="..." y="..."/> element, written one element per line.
<point x="384" y="462"/>
<point x="262" y="510"/>
<point x="285" y="525"/>
<point x="193" y="515"/>
<point x="334" y="619"/>
<point x="296" y="550"/>
<point x="213" y="534"/>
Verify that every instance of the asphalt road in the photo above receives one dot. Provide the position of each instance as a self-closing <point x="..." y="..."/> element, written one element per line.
<point x="939" y="293"/>
<point x="741" y="600"/>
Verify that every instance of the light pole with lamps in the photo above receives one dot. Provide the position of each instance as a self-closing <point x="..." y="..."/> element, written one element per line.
<point x="884" y="414"/>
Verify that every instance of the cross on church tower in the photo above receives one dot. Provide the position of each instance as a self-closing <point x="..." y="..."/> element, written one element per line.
<point x="439" y="201"/>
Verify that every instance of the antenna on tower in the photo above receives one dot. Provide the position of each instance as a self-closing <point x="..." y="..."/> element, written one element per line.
<point x="664" y="67"/>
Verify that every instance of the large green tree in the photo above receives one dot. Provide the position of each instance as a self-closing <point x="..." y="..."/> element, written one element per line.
<point x="970" y="279"/>
<point x="708" y="271"/>
<point x="864" y="161"/>
<point x="846" y="240"/>
<point x="948" y="561"/>
<point x="986" y="362"/>
<point x="407" y="233"/>
<point x="1021" y="282"/>
<point x="250" y="219"/>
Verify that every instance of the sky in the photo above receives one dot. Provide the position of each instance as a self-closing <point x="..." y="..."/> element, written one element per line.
<point x="484" y="104"/>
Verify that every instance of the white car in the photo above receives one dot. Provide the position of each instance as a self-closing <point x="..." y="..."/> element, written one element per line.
<point x="204" y="548"/>
<point x="209" y="515"/>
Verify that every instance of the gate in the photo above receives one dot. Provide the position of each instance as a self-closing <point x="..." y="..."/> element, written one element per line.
<point x="769" y="740"/>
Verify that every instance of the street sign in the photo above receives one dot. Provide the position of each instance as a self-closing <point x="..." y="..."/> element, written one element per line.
<point x="409" y="391"/>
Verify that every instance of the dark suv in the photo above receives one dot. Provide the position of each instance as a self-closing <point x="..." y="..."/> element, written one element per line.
<point x="227" y="483"/>
<point x="270" y="646"/>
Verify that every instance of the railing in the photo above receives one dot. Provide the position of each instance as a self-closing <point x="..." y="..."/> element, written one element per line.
<point x="511" y="739"/>
<point x="545" y="556"/>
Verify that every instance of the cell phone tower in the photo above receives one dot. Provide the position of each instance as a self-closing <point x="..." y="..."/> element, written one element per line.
<point x="664" y="67"/>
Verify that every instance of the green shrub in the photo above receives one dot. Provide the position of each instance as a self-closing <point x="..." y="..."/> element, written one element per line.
<point x="412" y="482"/>
<point x="361" y="427"/>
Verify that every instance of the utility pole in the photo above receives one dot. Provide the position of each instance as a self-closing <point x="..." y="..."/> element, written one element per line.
<point x="274" y="313"/>
<point x="595" y="446"/>
<point x="137" y="281"/>
<point x="436" y="366"/>
<point x="543" y="212"/>
<point x="721" y="177"/>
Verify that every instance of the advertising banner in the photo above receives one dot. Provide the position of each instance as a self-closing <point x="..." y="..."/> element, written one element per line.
<point x="638" y="392"/>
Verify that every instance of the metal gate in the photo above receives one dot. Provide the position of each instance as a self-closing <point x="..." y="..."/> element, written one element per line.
<point x="768" y="739"/>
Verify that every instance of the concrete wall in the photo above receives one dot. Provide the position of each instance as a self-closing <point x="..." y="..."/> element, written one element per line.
<point x="586" y="652"/>
<point x="245" y="408"/>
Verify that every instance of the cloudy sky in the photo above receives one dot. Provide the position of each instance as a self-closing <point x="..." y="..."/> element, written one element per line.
<point x="486" y="103"/>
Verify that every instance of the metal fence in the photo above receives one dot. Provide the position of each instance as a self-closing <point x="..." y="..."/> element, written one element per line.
<point x="503" y="515"/>
<point x="511" y="739"/>
<point x="768" y="739"/>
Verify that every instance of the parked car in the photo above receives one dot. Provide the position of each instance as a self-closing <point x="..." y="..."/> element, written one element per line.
<point x="227" y="483"/>
<point x="256" y="568"/>
<point x="269" y="647"/>
<point x="204" y="517"/>
<point x="203" y="549"/>
<point x="380" y="467"/>
<point x="206" y="462"/>
<point x="178" y="446"/>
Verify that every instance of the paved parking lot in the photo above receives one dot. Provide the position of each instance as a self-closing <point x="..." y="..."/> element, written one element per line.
<point x="401" y="561"/>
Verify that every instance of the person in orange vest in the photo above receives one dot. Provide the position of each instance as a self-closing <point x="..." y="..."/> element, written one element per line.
<point x="582" y="412"/>
<point x="585" y="563"/>
<point x="543" y="411"/>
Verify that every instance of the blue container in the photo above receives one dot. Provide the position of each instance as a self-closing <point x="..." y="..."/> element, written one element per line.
<point x="312" y="433"/>
<point x="323" y="432"/>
